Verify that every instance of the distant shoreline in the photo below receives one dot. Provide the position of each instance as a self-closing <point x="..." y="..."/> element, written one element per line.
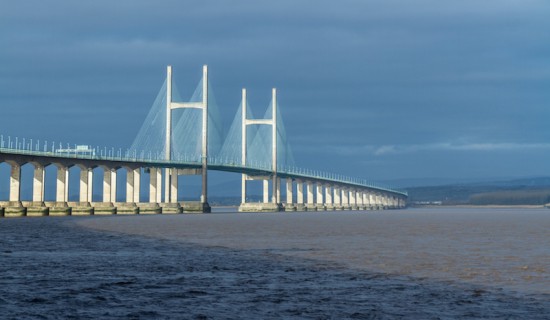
<point x="488" y="206"/>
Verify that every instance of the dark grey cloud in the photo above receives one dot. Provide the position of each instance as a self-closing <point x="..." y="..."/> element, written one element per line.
<point x="355" y="77"/>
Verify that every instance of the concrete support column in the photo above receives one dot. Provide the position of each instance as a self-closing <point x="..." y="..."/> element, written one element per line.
<point x="174" y="186"/>
<point x="372" y="199"/>
<point x="299" y="192"/>
<point x="289" y="196"/>
<point x="90" y="184"/>
<point x="113" y="185"/>
<point x="159" y="185"/>
<point x="337" y="196"/>
<point x="266" y="191"/>
<point x="278" y="190"/>
<point x="62" y="184"/>
<point x="360" y="201"/>
<point x="345" y="197"/>
<point x="319" y="188"/>
<point x="129" y="186"/>
<point x="309" y="186"/>
<point x="15" y="182"/>
<point x="353" y="199"/>
<point x="38" y="184"/>
<point x="167" y="185"/>
<point x="366" y="202"/>
<point x="137" y="184"/>
<point x="243" y="188"/>
<point x="328" y="194"/>
<point x="152" y="185"/>
<point x="84" y="185"/>
<point x="107" y="185"/>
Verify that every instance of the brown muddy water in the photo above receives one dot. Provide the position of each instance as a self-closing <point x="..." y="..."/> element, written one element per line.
<point x="415" y="263"/>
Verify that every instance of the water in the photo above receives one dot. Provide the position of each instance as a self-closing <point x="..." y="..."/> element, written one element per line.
<point x="428" y="264"/>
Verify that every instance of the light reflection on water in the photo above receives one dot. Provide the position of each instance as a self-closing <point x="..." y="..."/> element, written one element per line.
<point x="505" y="248"/>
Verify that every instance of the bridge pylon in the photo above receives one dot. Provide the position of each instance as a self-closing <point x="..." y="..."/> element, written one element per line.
<point x="274" y="205"/>
<point x="202" y="105"/>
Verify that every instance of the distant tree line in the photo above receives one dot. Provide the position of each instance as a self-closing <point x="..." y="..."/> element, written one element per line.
<point x="512" y="197"/>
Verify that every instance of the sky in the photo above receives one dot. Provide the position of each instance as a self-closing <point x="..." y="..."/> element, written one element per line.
<point x="385" y="90"/>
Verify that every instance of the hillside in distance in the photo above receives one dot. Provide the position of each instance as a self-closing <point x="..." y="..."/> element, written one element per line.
<point x="527" y="191"/>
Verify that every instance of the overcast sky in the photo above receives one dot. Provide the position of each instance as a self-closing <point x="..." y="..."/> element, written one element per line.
<point x="384" y="89"/>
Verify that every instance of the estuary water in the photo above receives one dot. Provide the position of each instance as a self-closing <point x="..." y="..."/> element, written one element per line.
<point x="415" y="263"/>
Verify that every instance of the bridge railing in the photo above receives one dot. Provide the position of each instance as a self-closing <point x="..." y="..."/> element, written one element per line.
<point x="18" y="145"/>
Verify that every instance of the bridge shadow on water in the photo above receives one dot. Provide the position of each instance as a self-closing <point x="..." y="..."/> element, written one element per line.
<point x="52" y="268"/>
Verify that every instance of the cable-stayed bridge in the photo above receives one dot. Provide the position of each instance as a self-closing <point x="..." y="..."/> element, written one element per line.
<point x="180" y="138"/>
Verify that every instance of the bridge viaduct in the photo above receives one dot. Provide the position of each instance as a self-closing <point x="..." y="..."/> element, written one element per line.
<point x="322" y="191"/>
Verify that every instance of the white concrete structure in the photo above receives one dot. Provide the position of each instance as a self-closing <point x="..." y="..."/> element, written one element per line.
<point x="275" y="189"/>
<point x="171" y="188"/>
<point x="323" y="192"/>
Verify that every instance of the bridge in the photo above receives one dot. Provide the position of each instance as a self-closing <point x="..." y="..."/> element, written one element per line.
<point x="181" y="138"/>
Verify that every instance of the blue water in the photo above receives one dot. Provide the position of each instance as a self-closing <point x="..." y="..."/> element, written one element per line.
<point x="52" y="268"/>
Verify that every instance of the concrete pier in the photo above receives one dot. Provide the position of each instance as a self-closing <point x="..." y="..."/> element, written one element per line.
<point x="126" y="208"/>
<point x="149" y="208"/>
<point x="171" y="208"/>
<point x="15" y="182"/>
<point x="310" y="200"/>
<point x="58" y="208"/>
<point x="62" y="186"/>
<point x="104" y="208"/>
<point x="14" y="209"/>
<point x="36" y="209"/>
<point x="81" y="208"/>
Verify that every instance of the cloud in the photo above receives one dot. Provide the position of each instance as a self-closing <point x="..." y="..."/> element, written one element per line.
<point x="359" y="79"/>
<point x="482" y="147"/>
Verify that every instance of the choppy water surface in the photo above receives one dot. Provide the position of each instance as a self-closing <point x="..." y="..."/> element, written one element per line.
<point x="449" y="263"/>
